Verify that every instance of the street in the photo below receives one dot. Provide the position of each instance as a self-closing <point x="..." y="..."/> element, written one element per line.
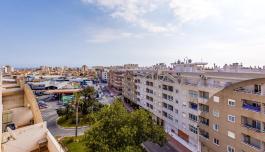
<point x="50" y="116"/>
<point x="152" y="147"/>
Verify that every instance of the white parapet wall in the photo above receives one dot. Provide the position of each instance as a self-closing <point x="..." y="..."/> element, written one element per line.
<point x="26" y="139"/>
<point x="1" y="109"/>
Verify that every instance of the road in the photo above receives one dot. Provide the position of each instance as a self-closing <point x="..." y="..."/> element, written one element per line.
<point x="151" y="147"/>
<point x="106" y="100"/>
<point x="50" y="116"/>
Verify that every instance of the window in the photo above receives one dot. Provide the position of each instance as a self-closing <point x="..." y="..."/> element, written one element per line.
<point x="149" y="91"/>
<point x="176" y="111"/>
<point x="204" y="108"/>
<point x="148" y="83"/>
<point x="170" y="88"/>
<point x="170" y="117"/>
<point x="167" y="88"/>
<point x="231" y="134"/>
<point x="215" y="113"/>
<point x="204" y="95"/>
<point x="149" y="98"/>
<point x="170" y="107"/>
<point x="193" y="94"/>
<point x="193" y="117"/>
<point x="164" y="114"/>
<point x="193" y="106"/>
<point x="167" y="97"/>
<point x="231" y="118"/>
<point x="231" y="103"/>
<point x="193" y="129"/>
<point x="164" y="105"/>
<point x="230" y="149"/>
<point x="216" y="99"/>
<point x="215" y="127"/>
<point x="216" y="141"/>
<point x="149" y="105"/>
<point x="177" y="101"/>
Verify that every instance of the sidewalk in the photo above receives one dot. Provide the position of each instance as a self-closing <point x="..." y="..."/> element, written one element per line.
<point x="176" y="145"/>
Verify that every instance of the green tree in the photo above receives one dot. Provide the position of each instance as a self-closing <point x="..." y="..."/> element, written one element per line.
<point x="116" y="130"/>
<point x="88" y="100"/>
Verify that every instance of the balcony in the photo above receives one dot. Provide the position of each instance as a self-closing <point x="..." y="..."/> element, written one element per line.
<point x="252" y="142"/>
<point x="193" y="106"/>
<point x="204" y="134"/>
<point x="251" y="105"/>
<point x="254" y="89"/>
<point x="252" y="124"/>
<point x="204" y="121"/>
<point x="203" y="108"/>
<point x="202" y="100"/>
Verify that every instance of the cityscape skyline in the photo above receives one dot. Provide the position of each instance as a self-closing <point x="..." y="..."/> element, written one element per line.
<point x="100" y="32"/>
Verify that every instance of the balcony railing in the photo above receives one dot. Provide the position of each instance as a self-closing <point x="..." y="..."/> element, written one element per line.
<point x="242" y="90"/>
<point x="252" y="127"/>
<point x="251" y="107"/>
<point x="253" y="145"/>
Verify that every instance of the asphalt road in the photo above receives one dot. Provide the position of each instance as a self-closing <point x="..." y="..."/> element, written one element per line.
<point x="151" y="147"/>
<point x="50" y="116"/>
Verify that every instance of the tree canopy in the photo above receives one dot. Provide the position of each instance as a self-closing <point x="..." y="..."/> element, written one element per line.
<point x="116" y="130"/>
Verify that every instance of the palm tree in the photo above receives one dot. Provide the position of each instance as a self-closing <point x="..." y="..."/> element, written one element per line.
<point x="77" y="99"/>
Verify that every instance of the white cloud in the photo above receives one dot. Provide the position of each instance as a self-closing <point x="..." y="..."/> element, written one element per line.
<point x="193" y="10"/>
<point x="133" y="11"/>
<point x="109" y="35"/>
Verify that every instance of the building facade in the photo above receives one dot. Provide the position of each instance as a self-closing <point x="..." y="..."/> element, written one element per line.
<point x="236" y="120"/>
<point x="193" y="105"/>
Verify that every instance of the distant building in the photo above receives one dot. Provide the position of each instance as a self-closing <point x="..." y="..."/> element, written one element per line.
<point x="116" y="75"/>
<point x="7" y="69"/>
<point x="84" y="68"/>
<point x="104" y="75"/>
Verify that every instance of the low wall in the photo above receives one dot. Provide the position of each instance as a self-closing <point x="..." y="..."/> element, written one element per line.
<point x="29" y="98"/>
<point x="25" y="139"/>
<point x="53" y="145"/>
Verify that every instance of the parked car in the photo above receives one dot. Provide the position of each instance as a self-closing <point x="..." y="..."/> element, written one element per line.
<point x="42" y="104"/>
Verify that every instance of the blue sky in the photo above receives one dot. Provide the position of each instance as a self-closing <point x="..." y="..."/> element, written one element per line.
<point x="111" y="32"/>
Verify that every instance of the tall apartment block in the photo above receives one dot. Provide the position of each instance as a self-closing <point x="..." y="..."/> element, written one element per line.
<point x="209" y="110"/>
<point x="22" y="127"/>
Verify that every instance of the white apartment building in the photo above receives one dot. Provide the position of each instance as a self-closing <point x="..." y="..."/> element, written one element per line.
<point x="104" y="75"/>
<point x="177" y="96"/>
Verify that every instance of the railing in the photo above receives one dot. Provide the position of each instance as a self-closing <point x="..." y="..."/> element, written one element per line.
<point x="252" y="108"/>
<point x="251" y="127"/>
<point x="252" y="145"/>
<point x="248" y="91"/>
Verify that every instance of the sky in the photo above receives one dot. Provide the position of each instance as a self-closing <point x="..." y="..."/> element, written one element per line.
<point x="115" y="32"/>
